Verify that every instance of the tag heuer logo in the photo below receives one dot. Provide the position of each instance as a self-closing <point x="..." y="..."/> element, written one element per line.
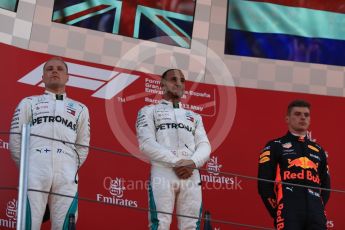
<point x="106" y="83"/>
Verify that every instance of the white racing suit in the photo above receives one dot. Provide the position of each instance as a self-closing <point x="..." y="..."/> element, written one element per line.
<point x="167" y="135"/>
<point x="53" y="165"/>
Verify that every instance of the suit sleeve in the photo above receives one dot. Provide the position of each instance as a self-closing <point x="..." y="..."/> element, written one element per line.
<point x="83" y="134"/>
<point x="22" y="115"/>
<point x="325" y="179"/>
<point x="267" y="171"/>
<point x="202" y="144"/>
<point x="146" y="135"/>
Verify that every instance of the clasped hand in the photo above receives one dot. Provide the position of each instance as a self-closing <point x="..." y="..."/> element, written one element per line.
<point x="184" y="168"/>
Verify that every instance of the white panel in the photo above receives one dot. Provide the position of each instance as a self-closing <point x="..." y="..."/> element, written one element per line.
<point x="84" y="83"/>
<point x="91" y="72"/>
<point x="34" y="77"/>
<point x="115" y="86"/>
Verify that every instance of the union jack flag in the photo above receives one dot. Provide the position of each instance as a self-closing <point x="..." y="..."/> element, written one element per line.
<point x="164" y="21"/>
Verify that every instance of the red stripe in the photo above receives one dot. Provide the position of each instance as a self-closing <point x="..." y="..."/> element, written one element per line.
<point x="174" y="29"/>
<point x="278" y="185"/>
<point x="179" y="6"/>
<point x="80" y="14"/>
<point x="129" y="10"/>
<point x="332" y="5"/>
<point x="128" y="13"/>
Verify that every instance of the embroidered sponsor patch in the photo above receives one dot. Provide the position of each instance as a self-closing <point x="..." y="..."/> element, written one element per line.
<point x="287" y="145"/>
<point x="264" y="159"/>
<point x="313" y="148"/>
<point x="266" y="153"/>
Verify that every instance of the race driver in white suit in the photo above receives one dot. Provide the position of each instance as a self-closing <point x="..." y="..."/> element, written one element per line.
<point x="176" y="143"/>
<point x="53" y="165"/>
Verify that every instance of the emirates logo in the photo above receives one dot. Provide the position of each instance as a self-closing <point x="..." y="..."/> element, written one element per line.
<point x="114" y="186"/>
<point x="213" y="167"/>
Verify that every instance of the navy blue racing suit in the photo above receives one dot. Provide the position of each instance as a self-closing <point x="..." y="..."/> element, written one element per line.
<point x="296" y="160"/>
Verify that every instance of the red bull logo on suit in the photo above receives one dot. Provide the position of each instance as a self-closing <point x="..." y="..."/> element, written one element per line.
<point x="303" y="162"/>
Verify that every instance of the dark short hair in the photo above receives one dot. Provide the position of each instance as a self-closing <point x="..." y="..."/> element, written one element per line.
<point x="297" y="103"/>
<point x="56" y="58"/>
<point x="167" y="71"/>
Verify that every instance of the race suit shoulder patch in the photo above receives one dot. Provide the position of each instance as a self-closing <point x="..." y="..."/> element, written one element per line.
<point x="313" y="148"/>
